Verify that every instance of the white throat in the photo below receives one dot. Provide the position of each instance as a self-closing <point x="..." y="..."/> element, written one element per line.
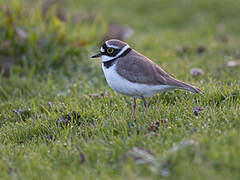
<point x="108" y="58"/>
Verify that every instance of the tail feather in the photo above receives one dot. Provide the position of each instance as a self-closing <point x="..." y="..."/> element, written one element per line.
<point x="182" y="85"/>
<point x="194" y="89"/>
<point x="191" y="88"/>
<point x="187" y="87"/>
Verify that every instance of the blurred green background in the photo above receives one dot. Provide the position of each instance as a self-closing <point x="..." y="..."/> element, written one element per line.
<point x="60" y="120"/>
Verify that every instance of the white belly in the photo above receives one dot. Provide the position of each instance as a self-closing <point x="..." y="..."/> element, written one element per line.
<point x="123" y="86"/>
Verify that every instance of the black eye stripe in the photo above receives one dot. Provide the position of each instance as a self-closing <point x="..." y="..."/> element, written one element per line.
<point x="115" y="52"/>
<point x="104" y="46"/>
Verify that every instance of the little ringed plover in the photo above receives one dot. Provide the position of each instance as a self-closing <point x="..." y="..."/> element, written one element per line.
<point x="130" y="73"/>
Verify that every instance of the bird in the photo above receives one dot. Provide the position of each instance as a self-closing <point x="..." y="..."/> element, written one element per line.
<point x="130" y="73"/>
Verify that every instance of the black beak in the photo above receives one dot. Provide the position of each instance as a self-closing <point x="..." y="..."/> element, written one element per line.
<point x="97" y="55"/>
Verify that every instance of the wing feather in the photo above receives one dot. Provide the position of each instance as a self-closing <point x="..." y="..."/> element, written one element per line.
<point x="140" y="69"/>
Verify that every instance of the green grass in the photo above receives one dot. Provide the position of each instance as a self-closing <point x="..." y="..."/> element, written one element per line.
<point x="52" y="76"/>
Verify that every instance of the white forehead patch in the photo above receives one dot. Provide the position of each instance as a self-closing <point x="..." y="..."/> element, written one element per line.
<point x="102" y="50"/>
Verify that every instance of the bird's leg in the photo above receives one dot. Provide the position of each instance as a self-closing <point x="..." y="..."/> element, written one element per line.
<point x="145" y="103"/>
<point x="134" y="107"/>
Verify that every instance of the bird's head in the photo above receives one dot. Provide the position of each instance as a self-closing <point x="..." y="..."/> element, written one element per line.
<point x="112" y="49"/>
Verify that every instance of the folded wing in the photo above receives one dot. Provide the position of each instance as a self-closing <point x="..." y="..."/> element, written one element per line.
<point x="140" y="69"/>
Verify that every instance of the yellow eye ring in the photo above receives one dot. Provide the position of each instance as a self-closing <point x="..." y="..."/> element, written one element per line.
<point x="110" y="50"/>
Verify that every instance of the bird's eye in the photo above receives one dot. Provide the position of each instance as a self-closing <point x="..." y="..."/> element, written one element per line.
<point x="110" y="50"/>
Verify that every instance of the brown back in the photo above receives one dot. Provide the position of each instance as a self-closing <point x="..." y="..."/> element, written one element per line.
<point x="140" y="69"/>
